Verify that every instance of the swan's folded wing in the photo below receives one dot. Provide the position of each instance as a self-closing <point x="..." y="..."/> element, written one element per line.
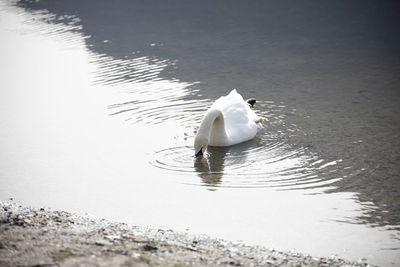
<point x="240" y="120"/>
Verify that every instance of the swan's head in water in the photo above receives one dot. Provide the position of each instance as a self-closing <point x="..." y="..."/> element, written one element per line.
<point x="200" y="145"/>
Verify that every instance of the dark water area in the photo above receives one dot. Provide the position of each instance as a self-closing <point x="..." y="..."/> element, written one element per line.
<point x="326" y="74"/>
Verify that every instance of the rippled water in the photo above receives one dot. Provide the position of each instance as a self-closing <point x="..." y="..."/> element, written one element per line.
<point x="244" y="165"/>
<point x="101" y="118"/>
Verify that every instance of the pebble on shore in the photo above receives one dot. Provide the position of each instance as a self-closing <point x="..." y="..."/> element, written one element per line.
<point x="42" y="237"/>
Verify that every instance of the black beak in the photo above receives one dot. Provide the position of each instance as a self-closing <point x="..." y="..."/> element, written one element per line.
<point x="200" y="153"/>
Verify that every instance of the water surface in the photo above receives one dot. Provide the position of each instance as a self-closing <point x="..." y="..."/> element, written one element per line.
<point x="100" y="102"/>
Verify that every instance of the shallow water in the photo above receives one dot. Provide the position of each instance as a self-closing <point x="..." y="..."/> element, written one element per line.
<point x="100" y="103"/>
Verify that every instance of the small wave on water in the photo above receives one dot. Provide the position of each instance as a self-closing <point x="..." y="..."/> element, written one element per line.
<point x="253" y="164"/>
<point x="147" y="98"/>
<point x="266" y="161"/>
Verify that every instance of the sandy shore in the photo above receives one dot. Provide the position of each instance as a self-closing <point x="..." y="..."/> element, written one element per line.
<point x="42" y="237"/>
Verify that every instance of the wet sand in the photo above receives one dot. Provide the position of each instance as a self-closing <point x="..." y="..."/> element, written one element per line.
<point x="42" y="237"/>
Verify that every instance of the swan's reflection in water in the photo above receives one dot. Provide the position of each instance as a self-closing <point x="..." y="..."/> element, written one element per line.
<point x="211" y="168"/>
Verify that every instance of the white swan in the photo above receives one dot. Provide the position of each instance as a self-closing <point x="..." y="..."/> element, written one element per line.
<point x="229" y="121"/>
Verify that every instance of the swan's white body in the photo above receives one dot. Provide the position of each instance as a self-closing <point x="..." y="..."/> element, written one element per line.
<point x="229" y="121"/>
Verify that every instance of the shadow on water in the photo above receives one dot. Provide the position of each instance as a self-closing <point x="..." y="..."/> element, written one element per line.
<point x="335" y="63"/>
<point x="211" y="168"/>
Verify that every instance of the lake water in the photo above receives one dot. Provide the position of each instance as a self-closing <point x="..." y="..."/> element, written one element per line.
<point x="100" y="100"/>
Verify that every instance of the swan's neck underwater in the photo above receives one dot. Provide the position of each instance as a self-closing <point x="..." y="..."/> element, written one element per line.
<point x="211" y="131"/>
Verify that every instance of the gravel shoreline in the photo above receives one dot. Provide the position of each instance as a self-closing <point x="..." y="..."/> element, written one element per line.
<point x="42" y="237"/>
